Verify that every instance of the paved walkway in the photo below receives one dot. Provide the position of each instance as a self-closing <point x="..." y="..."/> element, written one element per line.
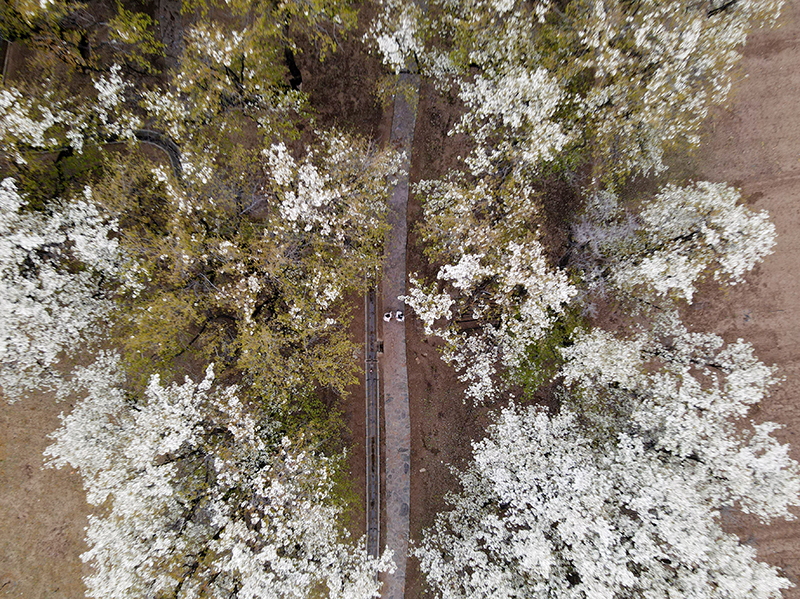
<point x="395" y="376"/>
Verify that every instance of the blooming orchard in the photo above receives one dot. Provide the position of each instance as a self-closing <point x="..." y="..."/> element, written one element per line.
<point x="199" y="494"/>
<point x="244" y="253"/>
<point x="548" y="511"/>
<point x="625" y="79"/>
<point x="241" y="254"/>
<point x="619" y="494"/>
<point x="52" y="298"/>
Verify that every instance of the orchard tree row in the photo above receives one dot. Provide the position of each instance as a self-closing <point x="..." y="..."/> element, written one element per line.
<point x="231" y="248"/>
<point x="190" y="220"/>
<point x="617" y="493"/>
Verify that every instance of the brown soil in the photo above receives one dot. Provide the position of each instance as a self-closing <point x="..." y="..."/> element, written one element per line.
<point x="341" y="88"/>
<point x="755" y="144"/>
<point x="42" y="511"/>
<point x="441" y="424"/>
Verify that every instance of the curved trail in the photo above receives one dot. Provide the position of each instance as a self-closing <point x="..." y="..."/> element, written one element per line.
<point x="395" y="376"/>
<point x="164" y="143"/>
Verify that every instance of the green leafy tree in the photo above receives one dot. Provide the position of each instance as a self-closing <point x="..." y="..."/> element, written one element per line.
<point x="84" y="38"/>
<point x="253" y="271"/>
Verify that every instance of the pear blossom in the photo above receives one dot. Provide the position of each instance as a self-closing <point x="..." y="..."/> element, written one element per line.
<point x="677" y="238"/>
<point x="517" y="287"/>
<point x="196" y="492"/>
<point x="538" y="81"/>
<point x="543" y="513"/>
<point x="47" y="305"/>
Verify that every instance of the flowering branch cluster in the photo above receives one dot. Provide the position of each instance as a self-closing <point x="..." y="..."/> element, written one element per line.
<point x="199" y="494"/>
<point x="48" y="124"/>
<point x="674" y="240"/>
<point x="52" y="294"/>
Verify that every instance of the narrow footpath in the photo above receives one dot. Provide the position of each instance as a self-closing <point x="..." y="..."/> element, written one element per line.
<point x="395" y="376"/>
<point x="373" y="424"/>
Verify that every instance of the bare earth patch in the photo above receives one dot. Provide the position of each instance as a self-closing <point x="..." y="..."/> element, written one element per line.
<point x="42" y="511"/>
<point x="441" y="424"/>
<point x="755" y="144"/>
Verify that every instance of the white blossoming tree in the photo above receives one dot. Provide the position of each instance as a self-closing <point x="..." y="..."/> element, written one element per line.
<point x="232" y="84"/>
<point x="229" y="81"/>
<point x="604" y="82"/>
<point x="53" y="265"/>
<point x="198" y="494"/>
<point x="34" y="118"/>
<point x="671" y="242"/>
<point x="546" y="511"/>
<point x="620" y="494"/>
<point x="624" y="79"/>
<point x="499" y="295"/>
<point x="686" y="395"/>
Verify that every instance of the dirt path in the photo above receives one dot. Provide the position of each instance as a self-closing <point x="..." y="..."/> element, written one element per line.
<point x="395" y="376"/>
<point x="42" y="511"/>
<point x="170" y="23"/>
<point x="755" y="144"/>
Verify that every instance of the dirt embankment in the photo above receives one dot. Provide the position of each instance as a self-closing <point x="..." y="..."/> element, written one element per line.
<point x="42" y="511"/>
